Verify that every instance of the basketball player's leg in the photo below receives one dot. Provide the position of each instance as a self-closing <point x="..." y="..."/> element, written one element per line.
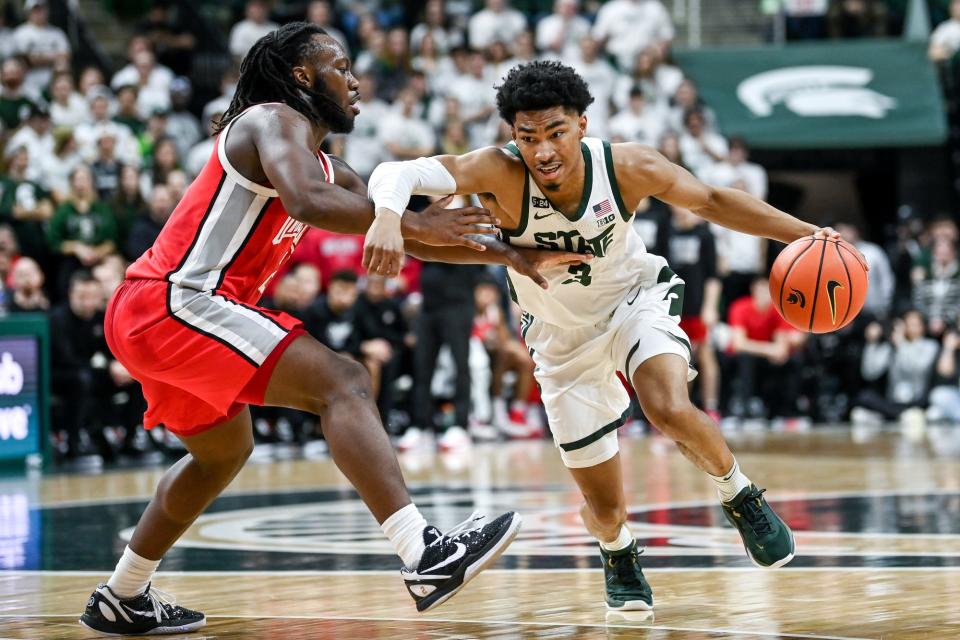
<point x="310" y="377"/>
<point x="604" y="510"/>
<point x="661" y="385"/>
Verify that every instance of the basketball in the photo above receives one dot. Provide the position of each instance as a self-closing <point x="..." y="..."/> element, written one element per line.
<point x="818" y="285"/>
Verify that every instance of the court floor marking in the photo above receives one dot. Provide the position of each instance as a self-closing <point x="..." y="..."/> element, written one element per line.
<point x="523" y="623"/>
<point x="21" y="573"/>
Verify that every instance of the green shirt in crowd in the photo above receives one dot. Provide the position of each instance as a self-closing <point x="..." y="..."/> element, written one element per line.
<point x="31" y="234"/>
<point x="95" y="227"/>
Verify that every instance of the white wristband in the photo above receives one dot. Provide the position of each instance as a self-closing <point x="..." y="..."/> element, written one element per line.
<point x="392" y="183"/>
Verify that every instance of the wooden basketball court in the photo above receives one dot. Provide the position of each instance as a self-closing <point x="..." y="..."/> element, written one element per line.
<point x="289" y="551"/>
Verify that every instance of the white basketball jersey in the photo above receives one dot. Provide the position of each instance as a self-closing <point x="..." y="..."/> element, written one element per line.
<point x="588" y="293"/>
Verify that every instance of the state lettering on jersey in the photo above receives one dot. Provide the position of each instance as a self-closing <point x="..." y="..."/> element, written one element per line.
<point x="291" y="229"/>
<point x="573" y="241"/>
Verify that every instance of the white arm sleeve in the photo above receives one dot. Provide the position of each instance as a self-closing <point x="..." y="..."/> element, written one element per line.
<point x="392" y="183"/>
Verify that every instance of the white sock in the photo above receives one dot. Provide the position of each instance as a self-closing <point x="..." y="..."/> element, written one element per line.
<point x="132" y="575"/>
<point x="623" y="540"/>
<point x="405" y="531"/>
<point x="731" y="483"/>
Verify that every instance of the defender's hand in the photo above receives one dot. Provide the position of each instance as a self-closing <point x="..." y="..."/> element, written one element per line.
<point x="383" y="246"/>
<point x="441" y="227"/>
<point x="529" y="261"/>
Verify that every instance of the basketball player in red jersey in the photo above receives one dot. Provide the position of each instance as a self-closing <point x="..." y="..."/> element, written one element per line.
<point x="186" y="325"/>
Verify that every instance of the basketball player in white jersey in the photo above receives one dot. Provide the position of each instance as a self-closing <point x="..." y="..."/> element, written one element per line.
<point x="553" y="188"/>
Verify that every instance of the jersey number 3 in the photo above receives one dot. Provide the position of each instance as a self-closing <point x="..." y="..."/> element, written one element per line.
<point x="580" y="273"/>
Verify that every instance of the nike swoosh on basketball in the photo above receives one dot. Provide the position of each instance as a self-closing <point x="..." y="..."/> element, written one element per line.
<point x="832" y="287"/>
<point x="547" y="215"/>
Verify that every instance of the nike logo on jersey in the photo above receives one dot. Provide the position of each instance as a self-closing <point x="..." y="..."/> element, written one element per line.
<point x="537" y="216"/>
<point x="832" y="286"/>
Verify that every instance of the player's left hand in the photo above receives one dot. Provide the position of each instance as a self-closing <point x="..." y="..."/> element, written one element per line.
<point x="829" y="233"/>
<point x="528" y="262"/>
<point x="383" y="245"/>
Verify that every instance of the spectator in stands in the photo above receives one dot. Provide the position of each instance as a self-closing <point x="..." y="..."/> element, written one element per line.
<point x="374" y="47"/>
<point x="83" y="229"/>
<point x="402" y="133"/>
<point x="736" y="168"/>
<point x="169" y="36"/>
<point x="392" y="66"/>
<point x="199" y="153"/>
<point x="128" y="204"/>
<point x="560" y="33"/>
<point x="700" y="147"/>
<point x="476" y="97"/>
<point x="627" y="27"/>
<point x="937" y="294"/>
<point x="907" y="359"/>
<point x="55" y="169"/>
<point x="507" y="355"/>
<point x="858" y="19"/>
<point x="163" y="162"/>
<point x="106" y="167"/>
<point x="254" y="26"/>
<point x="67" y="107"/>
<point x="691" y="252"/>
<point x="435" y="23"/>
<point x="128" y="114"/>
<point x="145" y="229"/>
<point x="385" y="339"/>
<point x="638" y="122"/>
<point x="685" y="98"/>
<point x="15" y="101"/>
<point x="333" y="318"/>
<point x="497" y="21"/>
<point x="152" y="81"/>
<point x="36" y="135"/>
<point x="454" y="138"/>
<point x="182" y="125"/>
<point x="670" y="148"/>
<point x="77" y="350"/>
<point x="27" y="287"/>
<point x="25" y="205"/>
<point x="880" y="291"/>
<point x="601" y="77"/>
<point x="645" y="73"/>
<point x="330" y="253"/>
<point x="320" y="13"/>
<point x="44" y="46"/>
<point x="762" y="343"/>
<point x="6" y="37"/>
<point x="945" y="39"/>
<point x="87" y="133"/>
<point x="89" y="78"/>
<point x="178" y="183"/>
<point x="945" y="396"/>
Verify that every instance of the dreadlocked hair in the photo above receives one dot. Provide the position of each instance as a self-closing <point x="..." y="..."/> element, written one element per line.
<point x="265" y="74"/>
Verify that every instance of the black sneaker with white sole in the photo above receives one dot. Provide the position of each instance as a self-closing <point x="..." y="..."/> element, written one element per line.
<point x="451" y="560"/>
<point x="152" y="612"/>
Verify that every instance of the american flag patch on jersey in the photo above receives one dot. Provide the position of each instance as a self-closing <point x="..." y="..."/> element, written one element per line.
<point x="602" y="209"/>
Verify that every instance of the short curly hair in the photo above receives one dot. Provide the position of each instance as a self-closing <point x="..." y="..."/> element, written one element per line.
<point x="541" y="85"/>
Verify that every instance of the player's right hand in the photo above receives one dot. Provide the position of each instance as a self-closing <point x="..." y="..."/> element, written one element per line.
<point x="528" y="262"/>
<point x="441" y="227"/>
<point x="383" y="245"/>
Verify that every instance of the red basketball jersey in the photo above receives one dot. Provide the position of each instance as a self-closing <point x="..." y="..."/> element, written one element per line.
<point x="227" y="235"/>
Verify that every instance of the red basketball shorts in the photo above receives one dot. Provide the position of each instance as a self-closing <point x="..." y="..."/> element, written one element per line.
<point x="200" y="358"/>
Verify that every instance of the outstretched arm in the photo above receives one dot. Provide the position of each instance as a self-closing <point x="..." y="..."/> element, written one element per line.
<point x="645" y="169"/>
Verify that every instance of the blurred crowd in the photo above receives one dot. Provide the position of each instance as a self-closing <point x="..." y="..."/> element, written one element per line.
<point x="92" y="165"/>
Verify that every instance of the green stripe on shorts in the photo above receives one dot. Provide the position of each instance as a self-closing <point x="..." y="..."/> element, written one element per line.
<point x="596" y="435"/>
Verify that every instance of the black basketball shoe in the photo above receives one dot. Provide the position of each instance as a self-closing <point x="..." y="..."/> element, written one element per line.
<point x="451" y="560"/>
<point x="152" y="612"/>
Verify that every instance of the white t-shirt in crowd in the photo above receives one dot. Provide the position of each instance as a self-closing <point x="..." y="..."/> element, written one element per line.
<point x="645" y="127"/>
<point x="408" y="132"/>
<point x="198" y="155"/>
<point x="246" y="33"/>
<point x="630" y="26"/>
<point x="363" y="149"/>
<point x="947" y="35"/>
<point x="600" y="77"/>
<point x="443" y="39"/>
<point x="658" y="90"/>
<point x="70" y="114"/>
<point x="572" y="31"/>
<point x="88" y="133"/>
<point x="30" y="39"/>
<point x="39" y="146"/>
<point x="740" y="252"/>
<point x="694" y="155"/>
<point x="725" y="174"/>
<point x="487" y="27"/>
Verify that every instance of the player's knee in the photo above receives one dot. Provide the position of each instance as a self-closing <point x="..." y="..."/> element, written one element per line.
<point x="351" y="383"/>
<point x="671" y="415"/>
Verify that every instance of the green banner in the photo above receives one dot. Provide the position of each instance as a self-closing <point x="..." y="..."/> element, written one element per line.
<point x="872" y="93"/>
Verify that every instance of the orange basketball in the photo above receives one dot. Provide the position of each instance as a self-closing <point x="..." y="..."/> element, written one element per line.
<point x="818" y="285"/>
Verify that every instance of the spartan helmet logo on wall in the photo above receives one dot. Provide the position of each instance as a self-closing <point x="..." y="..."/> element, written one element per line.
<point x="797" y="297"/>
